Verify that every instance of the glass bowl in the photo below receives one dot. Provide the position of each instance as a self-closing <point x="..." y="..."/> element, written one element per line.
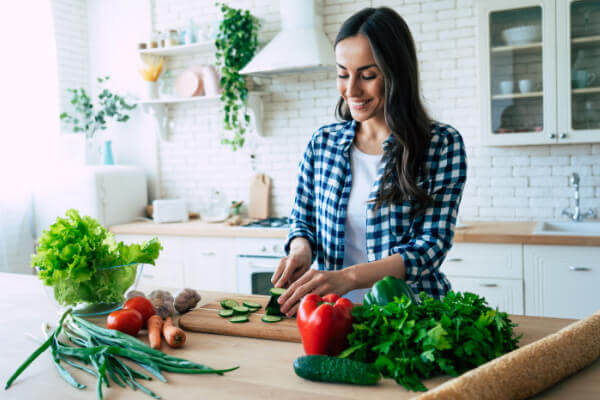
<point x="90" y="309"/>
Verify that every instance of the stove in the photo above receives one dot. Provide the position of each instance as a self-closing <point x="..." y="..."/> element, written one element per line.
<point x="274" y="222"/>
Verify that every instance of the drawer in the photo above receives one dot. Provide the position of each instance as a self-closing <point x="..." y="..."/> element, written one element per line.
<point x="506" y="294"/>
<point x="484" y="260"/>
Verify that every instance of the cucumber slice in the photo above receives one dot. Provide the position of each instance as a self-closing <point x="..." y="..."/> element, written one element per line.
<point x="241" y="310"/>
<point x="270" y="318"/>
<point x="239" y="319"/>
<point x="251" y="304"/>
<point x="253" y="309"/>
<point x="225" y="313"/>
<point x="229" y="303"/>
<point x="277" y="291"/>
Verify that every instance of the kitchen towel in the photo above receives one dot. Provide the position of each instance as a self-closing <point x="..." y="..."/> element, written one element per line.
<point x="260" y="189"/>
<point x="529" y="370"/>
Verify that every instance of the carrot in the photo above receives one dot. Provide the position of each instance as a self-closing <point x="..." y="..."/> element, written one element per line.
<point x="155" y="324"/>
<point x="174" y="336"/>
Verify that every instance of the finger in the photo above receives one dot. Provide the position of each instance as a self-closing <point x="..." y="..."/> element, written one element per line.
<point x="292" y="265"/>
<point x="279" y="270"/>
<point x="293" y="310"/>
<point x="299" y="293"/>
<point x="293" y="286"/>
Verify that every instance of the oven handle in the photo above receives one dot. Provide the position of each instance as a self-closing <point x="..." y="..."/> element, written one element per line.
<point x="254" y="266"/>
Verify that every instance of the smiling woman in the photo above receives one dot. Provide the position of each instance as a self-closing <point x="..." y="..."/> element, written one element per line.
<point x="378" y="193"/>
<point x="28" y="78"/>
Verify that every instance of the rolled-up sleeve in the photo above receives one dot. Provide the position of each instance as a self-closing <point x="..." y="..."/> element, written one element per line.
<point x="433" y="231"/>
<point x="302" y="217"/>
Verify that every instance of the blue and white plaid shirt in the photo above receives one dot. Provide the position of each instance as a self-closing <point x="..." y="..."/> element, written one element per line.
<point x="321" y="201"/>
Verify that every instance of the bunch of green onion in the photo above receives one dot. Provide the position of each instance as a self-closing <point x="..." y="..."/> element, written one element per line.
<point x="103" y="350"/>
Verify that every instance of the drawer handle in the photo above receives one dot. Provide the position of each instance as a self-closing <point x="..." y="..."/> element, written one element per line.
<point x="455" y="260"/>
<point x="208" y="254"/>
<point x="574" y="268"/>
<point x="147" y="276"/>
<point x="489" y="284"/>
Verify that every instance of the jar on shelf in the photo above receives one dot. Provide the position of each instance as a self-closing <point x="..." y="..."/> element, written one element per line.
<point x="154" y="40"/>
<point x="172" y="38"/>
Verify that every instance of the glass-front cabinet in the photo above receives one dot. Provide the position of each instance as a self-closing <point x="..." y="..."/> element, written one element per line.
<point x="540" y="71"/>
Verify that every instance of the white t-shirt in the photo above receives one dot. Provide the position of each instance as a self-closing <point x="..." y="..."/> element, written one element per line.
<point x="364" y="172"/>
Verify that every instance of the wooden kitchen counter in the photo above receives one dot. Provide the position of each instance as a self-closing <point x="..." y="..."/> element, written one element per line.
<point x="265" y="366"/>
<point x="196" y="228"/>
<point x="473" y="232"/>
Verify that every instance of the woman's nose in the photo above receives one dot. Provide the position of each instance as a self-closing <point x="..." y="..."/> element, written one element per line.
<point x="353" y="88"/>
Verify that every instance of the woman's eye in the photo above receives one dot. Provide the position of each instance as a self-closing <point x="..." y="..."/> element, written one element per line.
<point x="368" y="78"/>
<point x="342" y="76"/>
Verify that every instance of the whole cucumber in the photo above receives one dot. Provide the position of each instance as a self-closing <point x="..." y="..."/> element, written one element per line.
<point x="338" y="370"/>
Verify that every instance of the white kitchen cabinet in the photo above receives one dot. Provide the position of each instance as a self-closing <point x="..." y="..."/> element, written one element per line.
<point x="202" y="263"/>
<point x="494" y="271"/>
<point x="506" y="294"/>
<point x="561" y="281"/>
<point x="209" y="263"/>
<point x="540" y="71"/>
<point x="168" y="269"/>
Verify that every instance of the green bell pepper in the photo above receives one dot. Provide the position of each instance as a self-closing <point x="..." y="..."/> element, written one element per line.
<point x="384" y="291"/>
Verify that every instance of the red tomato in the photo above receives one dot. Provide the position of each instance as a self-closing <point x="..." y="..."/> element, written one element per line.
<point x="143" y="306"/>
<point x="126" y="320"/>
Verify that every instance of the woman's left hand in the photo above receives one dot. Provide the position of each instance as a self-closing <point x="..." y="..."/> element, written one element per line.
<point x="313" y="281"/>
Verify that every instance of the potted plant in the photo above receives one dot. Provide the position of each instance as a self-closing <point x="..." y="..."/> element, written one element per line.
<point x="236" y="43"/>
<point x="89" y="118"/>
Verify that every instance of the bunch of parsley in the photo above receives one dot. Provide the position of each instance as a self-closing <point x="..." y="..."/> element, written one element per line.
<point x="410" y="342"/>
<point x="72" y="256"/>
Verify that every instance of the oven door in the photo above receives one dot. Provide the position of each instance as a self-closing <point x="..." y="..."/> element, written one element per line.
<point x="254" y="273"/>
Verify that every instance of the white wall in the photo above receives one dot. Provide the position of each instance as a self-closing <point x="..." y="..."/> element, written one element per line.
<point x="503" y="183"/>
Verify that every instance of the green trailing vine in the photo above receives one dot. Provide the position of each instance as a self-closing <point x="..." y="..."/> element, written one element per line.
<point x="236" y="43"/>
<point x="88" y="117"/>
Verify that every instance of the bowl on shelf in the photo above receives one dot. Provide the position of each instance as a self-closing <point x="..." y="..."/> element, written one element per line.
<point x="522" y="35"/>
<point x="123" y="278"/>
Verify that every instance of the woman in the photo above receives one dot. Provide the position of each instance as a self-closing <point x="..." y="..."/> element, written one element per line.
<point x="378" y="193"/>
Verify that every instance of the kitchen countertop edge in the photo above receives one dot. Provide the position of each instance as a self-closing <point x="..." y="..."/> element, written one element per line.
<point x="506" y="232"/>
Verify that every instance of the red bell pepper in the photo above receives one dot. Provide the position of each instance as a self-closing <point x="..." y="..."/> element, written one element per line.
<point x="324" y="323"/>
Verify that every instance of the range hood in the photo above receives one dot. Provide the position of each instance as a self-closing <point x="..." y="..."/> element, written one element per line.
<point x="300" y="46"/>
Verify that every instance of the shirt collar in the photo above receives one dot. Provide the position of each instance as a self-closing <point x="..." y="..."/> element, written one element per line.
<point x="349" y="132"/>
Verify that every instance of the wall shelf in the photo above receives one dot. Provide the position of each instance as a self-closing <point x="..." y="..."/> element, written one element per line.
<point x="157" y="108"/>
<point x="203" y="46"/>
<point x="589" y="90"/>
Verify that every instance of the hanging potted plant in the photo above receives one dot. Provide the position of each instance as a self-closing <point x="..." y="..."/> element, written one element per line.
<point x="236" y="43"/>
<point x="89" y="118"/>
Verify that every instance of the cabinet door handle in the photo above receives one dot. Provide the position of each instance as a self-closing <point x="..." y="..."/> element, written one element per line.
<point x="455" y="260"/>
<point x="552" y="136"/>
<point x="148" y="276"/>
<point x="563" y="135"/>
<point x="208" y="254"/>
<point x="489" y="284"/>
<point x="574" y="268"/>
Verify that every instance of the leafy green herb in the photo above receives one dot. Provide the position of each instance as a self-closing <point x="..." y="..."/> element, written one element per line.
<point x="73" y="254"/>
<point x="410" y="342"/>
<point x="236" y="44"/>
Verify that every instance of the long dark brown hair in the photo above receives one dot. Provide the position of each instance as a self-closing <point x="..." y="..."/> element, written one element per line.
<point x="395" y="54"/>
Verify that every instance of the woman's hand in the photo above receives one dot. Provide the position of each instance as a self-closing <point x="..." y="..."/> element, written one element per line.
<point x="314" y="281"/>
<point x="293" y="266"/>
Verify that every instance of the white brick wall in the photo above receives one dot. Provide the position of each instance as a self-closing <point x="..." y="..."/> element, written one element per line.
<point x="504" y="183"/>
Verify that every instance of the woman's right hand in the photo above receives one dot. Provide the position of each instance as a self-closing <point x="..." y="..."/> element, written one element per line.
<point x="292" y="267"/>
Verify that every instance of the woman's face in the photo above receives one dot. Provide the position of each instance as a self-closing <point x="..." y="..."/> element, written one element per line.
<point x="359" y="80"/>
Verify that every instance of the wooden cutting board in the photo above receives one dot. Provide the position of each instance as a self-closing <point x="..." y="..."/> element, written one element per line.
<point x="206" y="319"/>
